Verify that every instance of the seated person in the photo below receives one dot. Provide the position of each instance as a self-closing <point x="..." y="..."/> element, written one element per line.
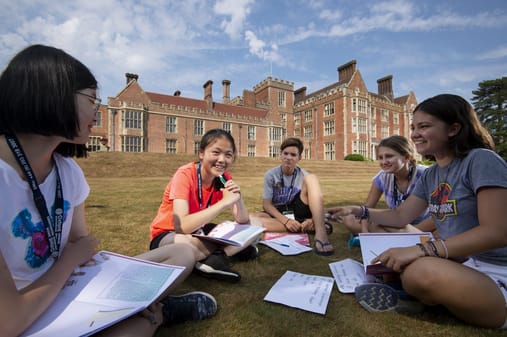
<point x="194" y="197"/>
<point x="396" y="180"/>
<point x="292" y="199"/>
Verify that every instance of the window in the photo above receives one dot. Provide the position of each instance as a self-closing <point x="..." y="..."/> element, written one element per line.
<point x="308" y="115"/>
<point x="98" y="119"/>
<point x="93" y="143"/>
<point x="360" y="146"/>
<point x="251" y="150"/>
<point x="297" y="118"/>
<point x="307" y="153"/>
<point x="373" y="128"/>
<point x="197" y="146"/>
<point x="359" y="105"/>
<point x="308" y="131"/>
<point x="328" y="109"/>
<point x="226" y="126"/>
<point x="396" y="130"/>
<point x="281" y="98"/>
<point x="275" y="134"/>
<point x="274" y="151"/>
<point x="251" y="132"/>
<point x="170" y="124"/>
<point x="396" y="118"/>
<point x="328" y="128"/>
<point x="132" y="119"/>
<point x="198" y="127"/>
<point x="384" y="131"/>
<point x="361" y="124"/>
<point x="384" y="115"/>
<point x="132" y="144"/>
<point x="170" y="145"/>
<point x="329" y="151"/>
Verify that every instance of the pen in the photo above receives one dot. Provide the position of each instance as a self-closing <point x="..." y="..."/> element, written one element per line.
<point x="282" y="244"/>
<point x="223" y="180"/>
<point x="376" y="255"/>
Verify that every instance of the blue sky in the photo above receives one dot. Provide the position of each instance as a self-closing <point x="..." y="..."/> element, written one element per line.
<point x="429" y="47"/>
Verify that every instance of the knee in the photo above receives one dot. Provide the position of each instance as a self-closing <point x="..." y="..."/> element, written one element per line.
<point x="419" y="277"/>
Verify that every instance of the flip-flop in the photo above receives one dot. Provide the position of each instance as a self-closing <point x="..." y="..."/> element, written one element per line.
<point x="322" y="245"/>
<point x="329" y="227"/>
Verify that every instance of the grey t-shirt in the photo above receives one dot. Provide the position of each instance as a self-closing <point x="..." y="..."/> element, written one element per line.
<point x="451" y="193"/>
<point x="282" y="189"/>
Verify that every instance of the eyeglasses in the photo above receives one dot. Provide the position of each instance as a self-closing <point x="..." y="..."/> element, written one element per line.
<point x="95" y="100"/>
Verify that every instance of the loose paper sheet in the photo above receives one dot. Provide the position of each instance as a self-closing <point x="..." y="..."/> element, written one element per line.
<point x="348" y="274"/>
<point x="302" y="291"/>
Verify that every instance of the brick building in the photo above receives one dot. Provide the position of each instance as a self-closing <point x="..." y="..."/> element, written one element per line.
<point x="337" y="120"/>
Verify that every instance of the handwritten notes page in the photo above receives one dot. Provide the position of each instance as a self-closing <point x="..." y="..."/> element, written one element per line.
<point x="302" y="291"/>
<point x="107" y="290"/>
<point x="348" y="274"/>
<point x="286" y="245"/>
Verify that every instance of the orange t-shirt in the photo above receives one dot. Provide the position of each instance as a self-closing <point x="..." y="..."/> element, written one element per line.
<point x="183" y="185"/>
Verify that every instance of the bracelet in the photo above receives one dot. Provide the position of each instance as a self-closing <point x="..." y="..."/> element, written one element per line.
<point x="286" y="222"/>
<point x="365" y="213"/>
<point x="423" y="249"/>
<point x="433" y="248"/>
<point x="442" y="242"/>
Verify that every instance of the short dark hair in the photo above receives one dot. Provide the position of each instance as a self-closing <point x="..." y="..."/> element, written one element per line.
<point x="455" y="109"/>
<point x="212" y="135"/>
<point x="293" y="141"/>
<point x="37" y="95"/>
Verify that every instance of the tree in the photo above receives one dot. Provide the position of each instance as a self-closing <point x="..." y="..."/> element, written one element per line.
<point x="490" y="103"/>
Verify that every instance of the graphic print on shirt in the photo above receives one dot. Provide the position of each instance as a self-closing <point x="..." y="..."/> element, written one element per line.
<point x="440" y="205"/>
<point x="23" y="227"/>
<point x="281" y="194"/>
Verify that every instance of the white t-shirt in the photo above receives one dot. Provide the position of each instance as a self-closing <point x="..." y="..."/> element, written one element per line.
<point x="23" y="240"/>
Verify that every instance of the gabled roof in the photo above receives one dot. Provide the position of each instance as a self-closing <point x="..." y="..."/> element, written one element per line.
<point x="202" y="105"/>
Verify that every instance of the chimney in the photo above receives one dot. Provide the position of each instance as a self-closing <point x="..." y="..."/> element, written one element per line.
<point x="131" y="77"/>
<point x="208" y="97"/>
<point x="300" y="94"/>
<point x="177" y="93"/>
<point x="385" y="86"/>
<point x="346" y="71"/>
<point x="226" y="96"/>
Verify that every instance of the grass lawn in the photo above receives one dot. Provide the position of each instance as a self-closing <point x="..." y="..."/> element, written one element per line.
<point x="126" y="190"/>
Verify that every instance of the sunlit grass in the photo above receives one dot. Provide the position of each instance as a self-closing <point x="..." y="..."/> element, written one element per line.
<point x="126" y="190"/>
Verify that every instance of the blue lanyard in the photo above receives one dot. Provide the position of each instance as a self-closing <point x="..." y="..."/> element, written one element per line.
<point x="199" y="187"/>
<point x="294" y="174"/>
<point x="405" y="195"/>
<point x="53" y="226"/>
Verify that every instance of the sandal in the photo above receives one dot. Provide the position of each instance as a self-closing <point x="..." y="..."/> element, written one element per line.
<point x="322" y="245"/>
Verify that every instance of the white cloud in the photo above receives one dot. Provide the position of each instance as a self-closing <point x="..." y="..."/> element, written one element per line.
<point x="237" y="10"/>
<point x="497" y="53"/>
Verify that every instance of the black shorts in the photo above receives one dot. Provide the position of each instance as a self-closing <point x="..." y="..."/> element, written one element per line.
<point x="154" y="244"/>
<point x="300" y="209"/>
<point x="156" y="240"/>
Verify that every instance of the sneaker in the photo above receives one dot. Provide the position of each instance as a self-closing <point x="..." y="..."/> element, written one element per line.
<point x="353" y="241"/>
<point x="378" y="297"/>
<point x="193" y="306"/>
<point x="248" y="253"/>
<point x="217" y="266"/>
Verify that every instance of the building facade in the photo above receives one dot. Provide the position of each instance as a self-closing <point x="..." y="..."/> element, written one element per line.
<point x="340" y="119"/>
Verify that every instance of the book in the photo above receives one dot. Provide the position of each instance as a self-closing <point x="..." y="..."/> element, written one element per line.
<point x="287" y="243"/>
<point x="108" y="289"/>
<point x="301" y="238"/>
<point x="373" y="244"/>
<point x="349" y="273"/>
<point x="232" y="233"/>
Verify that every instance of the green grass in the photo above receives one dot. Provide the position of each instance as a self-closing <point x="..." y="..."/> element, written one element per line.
<point x="126" y="190"/>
